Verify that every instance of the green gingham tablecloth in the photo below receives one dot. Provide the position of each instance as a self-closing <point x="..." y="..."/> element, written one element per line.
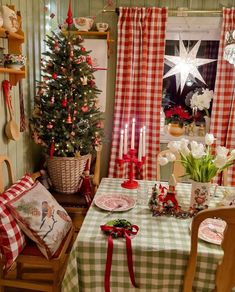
<point x="160" y="249"/>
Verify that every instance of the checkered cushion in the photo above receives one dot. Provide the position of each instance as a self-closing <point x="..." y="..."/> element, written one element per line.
<point x="12" y="240"/>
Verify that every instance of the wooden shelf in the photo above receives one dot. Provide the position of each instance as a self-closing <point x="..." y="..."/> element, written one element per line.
<point x="14" y="75"/>
<point x="11" y="35"/>
<point x="15" y="41"/>
<point x="99" y="34"/>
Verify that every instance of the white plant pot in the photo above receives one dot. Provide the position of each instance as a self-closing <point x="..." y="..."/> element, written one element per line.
<point x="14" y="66"/>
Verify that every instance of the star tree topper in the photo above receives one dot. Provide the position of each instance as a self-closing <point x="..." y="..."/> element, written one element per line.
<point x="185" y="65"/>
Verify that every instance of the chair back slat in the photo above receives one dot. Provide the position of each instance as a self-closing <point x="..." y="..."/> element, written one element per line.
<point x="5" y="160"/>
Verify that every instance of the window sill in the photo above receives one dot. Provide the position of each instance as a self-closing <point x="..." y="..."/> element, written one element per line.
<point x="166" y="138"/>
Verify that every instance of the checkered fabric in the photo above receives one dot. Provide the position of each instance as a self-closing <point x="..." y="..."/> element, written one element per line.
<point x="160" y="249"/>
<point x="223" y="116"/>
<point x="141" y="44"/>
<point x="12" y="239"/>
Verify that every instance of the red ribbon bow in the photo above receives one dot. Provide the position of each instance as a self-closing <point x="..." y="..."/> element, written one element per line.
<point x="115" y="231"/>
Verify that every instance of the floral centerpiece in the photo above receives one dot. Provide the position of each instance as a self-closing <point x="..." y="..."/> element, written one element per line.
<point x="12" y="60"/>
<point x="177" y="114"/>
<point x="200" y="164"/>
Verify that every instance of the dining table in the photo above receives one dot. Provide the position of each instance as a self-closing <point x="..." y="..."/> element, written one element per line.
<point x="160" y="249"/>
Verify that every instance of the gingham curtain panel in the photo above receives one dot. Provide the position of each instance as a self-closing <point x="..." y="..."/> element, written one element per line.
<point x="140" y="60"/>
<point x="223" y="117"/>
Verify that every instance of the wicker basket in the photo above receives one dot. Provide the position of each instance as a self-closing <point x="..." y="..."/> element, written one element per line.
<point x="65" y="172"/>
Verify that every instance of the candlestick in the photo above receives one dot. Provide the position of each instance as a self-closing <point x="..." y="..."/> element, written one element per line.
<point x="121" y="145"/>
<point x="144" y="140"/>
<point x="133" y="134"/>
<point x="125" y="140"/>
<point x="140" y="145"/>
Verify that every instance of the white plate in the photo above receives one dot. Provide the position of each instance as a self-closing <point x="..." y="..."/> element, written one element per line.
<point x="115" y="202"/>
<point x="211" y="230"/>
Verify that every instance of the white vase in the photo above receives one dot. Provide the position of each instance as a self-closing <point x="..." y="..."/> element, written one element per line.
<point x="200" y="195"/>
<point x="207" y="123"/>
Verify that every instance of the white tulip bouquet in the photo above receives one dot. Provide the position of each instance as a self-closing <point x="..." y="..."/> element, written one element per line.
<point x="197" y="158"/>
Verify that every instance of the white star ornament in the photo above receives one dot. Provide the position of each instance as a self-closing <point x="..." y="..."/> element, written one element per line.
<point x="186" y="64"/>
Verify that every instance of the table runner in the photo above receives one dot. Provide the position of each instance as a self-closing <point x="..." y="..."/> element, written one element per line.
<point x="160" y="249"/>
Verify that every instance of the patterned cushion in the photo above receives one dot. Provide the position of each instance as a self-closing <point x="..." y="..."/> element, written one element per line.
<point x="41" y="218"/>
<point x="10" y="21"/>
<point x="12" y="240"/>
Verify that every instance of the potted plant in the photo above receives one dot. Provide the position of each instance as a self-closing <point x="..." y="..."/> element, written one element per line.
<point x="66" y="120"/>
<point x="175" y="118"/>
<point x="201" y="165"/>
<point x="200" y="100"/>
<point x="14" y="61"/>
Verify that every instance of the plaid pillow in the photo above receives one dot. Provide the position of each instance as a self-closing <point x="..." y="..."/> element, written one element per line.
<point x="12" y="239"/>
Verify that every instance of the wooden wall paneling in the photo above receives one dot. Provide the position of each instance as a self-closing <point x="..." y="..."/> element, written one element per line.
<point x="96" y="10"/>
<point x="124" y="3"/>
<point x="82" y="8"/>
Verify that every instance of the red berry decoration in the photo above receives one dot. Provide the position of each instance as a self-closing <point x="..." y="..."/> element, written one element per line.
<point x="54" y="76"/>
<point x="83" y="49"/>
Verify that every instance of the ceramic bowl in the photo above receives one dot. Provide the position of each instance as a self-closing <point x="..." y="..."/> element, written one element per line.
<point x="83" y="23"/>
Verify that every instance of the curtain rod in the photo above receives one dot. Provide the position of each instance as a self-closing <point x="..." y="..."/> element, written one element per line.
<point x="176" y="11"/>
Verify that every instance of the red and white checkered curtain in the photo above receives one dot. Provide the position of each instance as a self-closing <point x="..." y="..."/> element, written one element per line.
<point x="141" y="45"/>
<point x="223" y="110"/>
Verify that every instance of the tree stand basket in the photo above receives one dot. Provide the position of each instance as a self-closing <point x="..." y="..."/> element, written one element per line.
<point x="65" y="172"/>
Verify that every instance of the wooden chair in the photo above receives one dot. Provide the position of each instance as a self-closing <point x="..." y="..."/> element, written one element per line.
<point x="225" y="274"/>
<point x="32" y="270"/>
<point x="177" y="167"/>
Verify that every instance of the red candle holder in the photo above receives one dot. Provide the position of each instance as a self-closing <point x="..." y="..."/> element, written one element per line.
<point x="131" y="159"/>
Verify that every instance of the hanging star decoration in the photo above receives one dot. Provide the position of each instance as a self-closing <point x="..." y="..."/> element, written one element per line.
<point x="185" y="65"/>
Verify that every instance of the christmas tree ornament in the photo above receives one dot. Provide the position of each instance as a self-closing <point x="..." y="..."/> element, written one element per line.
<point x="54" y="76"/>
<point x="71" y="53"/>
<point x="83" y="49"/>
<point x="52" y="100"/>
<point x="84" y="108"/>
<point x="92" y="83"/>
<point x="49" y="125"/>
<point x="186" y="64"/>
<point x="84" y="80"/>
<point x="64" y="102"/>
<point x="52" y="149"/>
<point x="89" y="60"/>
<point x="69" y="19"/>
<point x="69" y="120"/>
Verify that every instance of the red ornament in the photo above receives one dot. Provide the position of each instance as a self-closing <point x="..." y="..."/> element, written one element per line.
<point x="52" y="149"/>
<point x="64" y="102"/>
<point x="89" y="60"/>
<point x="92" y="83"/>
<point x="84" y="108"/>
<point x="49" y="126"/>
<point x="69" y="19"/>
<point x="83" y="49"/>
<point x="54" y="76"/>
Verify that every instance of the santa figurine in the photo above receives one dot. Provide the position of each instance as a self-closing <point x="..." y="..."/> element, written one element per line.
<point x="170" y="198"/>
<point x="86" y="188"/>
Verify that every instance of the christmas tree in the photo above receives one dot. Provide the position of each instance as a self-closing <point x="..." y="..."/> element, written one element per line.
<point x="66" y="119"/>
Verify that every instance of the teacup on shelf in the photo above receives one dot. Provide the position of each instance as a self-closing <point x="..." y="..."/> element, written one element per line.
<point x="102" y="26"/>
<point x="83" y="23"/>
